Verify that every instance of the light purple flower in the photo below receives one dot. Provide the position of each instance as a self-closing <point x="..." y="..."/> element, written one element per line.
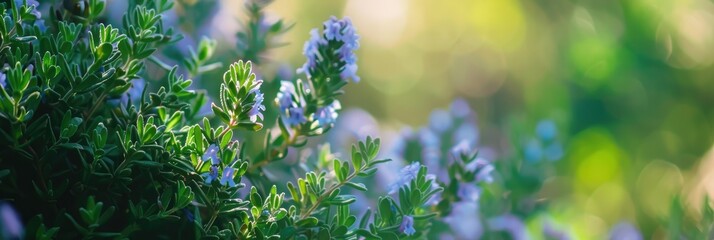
<point x="326" y="116"/>
<point x="3" y="80"/>
<point x="510" y="224"/>
<point x="290" y="106"/>
<point x="429" y="138"/>
<point x="311" y="51"/>
<point x="227" y="177"/>
<point x="406" y="175"/>
<point x="483" y="169"/>
<point x="407" y="225"/>
<point x="468" y="192"/>
<point x="212" y="174"/>
<point x="464" y="220"/>
<point x="343" y="34"/>
<point x="484" y="174"/>
<point x="440" y="121"/>
<point x="257" y="107"/>
<point x="467" y="131"/>
<point x="212" y="154"/>
<point x="294" y="117"/>
<point x="460" y="108"/>
<point x="10" y="223"/>
<point x="285" y="96"/>
<point x="463" y="148"/>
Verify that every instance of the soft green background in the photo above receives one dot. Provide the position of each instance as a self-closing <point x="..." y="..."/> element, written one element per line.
<point x="628" y="82"/>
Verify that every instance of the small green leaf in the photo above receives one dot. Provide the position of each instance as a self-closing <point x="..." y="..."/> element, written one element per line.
<point x="307" y="222"/>
<point x="358" y="186"/>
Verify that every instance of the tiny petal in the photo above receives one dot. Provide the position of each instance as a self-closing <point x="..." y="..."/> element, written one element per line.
<point x="407" y="226"/>
<point x="227" y="177"/>
<point x="212" y="174"/>
<point x="212" y="154"/>
<point x="326" y="116"/>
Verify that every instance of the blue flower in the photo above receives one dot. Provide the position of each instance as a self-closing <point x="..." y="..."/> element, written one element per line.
<point x="483" y="169"/>
<point x="407" y="225"/>
<point x="256" y="109"/>
<point x="484" y="174"/>
<point x="311" y="51"/>
<point x="467" y="131"/>
<point x="327" y="115"/>
<point x="460" y="108"/>
<point x="227" y="177"/>
<point x="295" y="117"/>
<point x="440" y="121"/>
<point x="189" y="215"/>
<point x="333" y="29"/>
<point x="546" y="130"/>
<point x="290" y="105"/>
<point x="406" y="175"/>
<point x="463" y="148"/>
<point x="468" y="192"/>
<point x="212" y="174"/>
<point x="3" y="80"/>
<point x="532" y="151"/>
<point x="10" y="223"/>
<point x="510" y="224"/>
<point x="284" y="100"/>
<point x="35" y="12"/>
<point x="464" y="220"/>
<point x="343" y="34"/>
<point x="212" y="154"/>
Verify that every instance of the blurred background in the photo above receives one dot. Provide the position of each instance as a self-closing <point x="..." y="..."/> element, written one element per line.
<point x="628" y="84"/>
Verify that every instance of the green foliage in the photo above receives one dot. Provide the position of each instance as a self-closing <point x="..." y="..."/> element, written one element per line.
<point x="97" y="150"/>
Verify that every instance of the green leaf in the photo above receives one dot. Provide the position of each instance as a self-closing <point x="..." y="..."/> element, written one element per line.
<point x="337" y="166"/>
<point x="307" y="222"/>
<point x="358" y="186"/>
<point x="367" y="234"/>
<point x="103" y="52"/>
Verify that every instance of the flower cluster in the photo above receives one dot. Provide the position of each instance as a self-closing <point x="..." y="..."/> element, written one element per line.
<point x="310" y="106"/>
<point x="291" y="105"/>
<point x="545" y="146"/>
<point x="338" y="41"/>
<point x="211" y="155"/>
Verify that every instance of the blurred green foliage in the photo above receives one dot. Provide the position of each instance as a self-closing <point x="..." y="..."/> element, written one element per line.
<point x="629" y="80"/>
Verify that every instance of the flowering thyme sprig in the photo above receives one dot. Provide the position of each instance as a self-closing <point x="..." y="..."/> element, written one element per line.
<point x="309" y="108"/>
<point x="241" y="101"/>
